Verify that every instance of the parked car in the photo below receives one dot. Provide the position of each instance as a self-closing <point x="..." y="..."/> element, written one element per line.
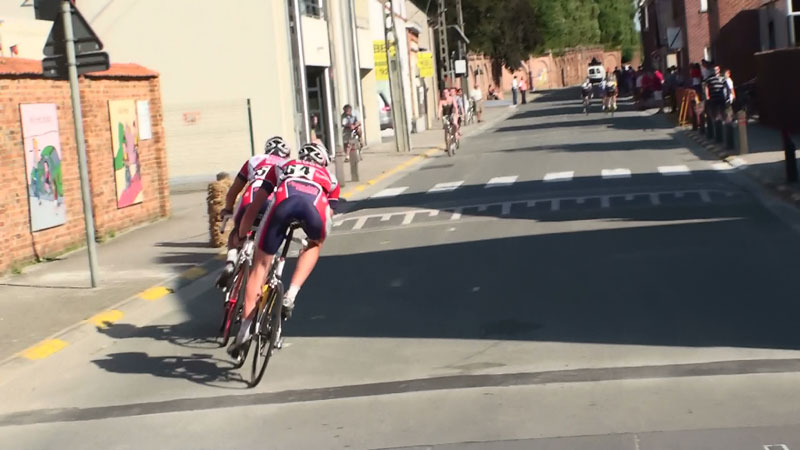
<point x="385" y="112"/>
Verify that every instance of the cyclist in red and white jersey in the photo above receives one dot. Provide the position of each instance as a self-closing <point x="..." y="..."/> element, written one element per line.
<point x="249" y="178"/>
<point x="305" y="192"/>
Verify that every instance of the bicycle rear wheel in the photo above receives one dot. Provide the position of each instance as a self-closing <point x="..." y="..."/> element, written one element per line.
<point x="266" y="331"/>
<point x="236" y="312"/>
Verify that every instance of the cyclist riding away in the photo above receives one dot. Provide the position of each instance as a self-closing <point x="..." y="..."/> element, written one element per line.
<point x="305" y="193"/>
<point x="252" y="175"/>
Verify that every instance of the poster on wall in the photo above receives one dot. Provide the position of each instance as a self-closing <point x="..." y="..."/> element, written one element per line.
<point x="42" y="145"/>
<point x="145" y="125"/>
<point x="125" y="151"/>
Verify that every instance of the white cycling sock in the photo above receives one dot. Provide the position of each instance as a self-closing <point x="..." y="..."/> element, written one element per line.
<point x="291" y="294"/>
<point x="244" y="331"/>
<point x="232" y="254"/>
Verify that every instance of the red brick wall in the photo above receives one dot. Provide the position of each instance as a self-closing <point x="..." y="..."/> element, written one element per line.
<point x="735" y="35"/>
<point x="697" y="31"/>
<point x="16" y="238"/>
<point x="778" y="89"/>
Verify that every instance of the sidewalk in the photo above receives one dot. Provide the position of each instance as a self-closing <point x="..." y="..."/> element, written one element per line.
<point x="765" y="161"/>
<point x="49" y="298"/>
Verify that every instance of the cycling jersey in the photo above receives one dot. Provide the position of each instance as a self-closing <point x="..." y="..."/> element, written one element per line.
<point x="254" y="171"/>
<point x="304" y="192"/>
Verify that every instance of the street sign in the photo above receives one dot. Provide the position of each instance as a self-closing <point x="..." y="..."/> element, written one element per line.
<point x="461" y="66"/>
<point x="86" y="41"/>
<point x="674" y="38"/>
<point x="47" y="9"/>
<point x="56" y="66"/>
<point x="425" y="64"/>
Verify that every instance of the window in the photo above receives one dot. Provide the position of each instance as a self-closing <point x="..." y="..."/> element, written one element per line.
<point x="703" y="5"/>
<point x="312" y="8"/>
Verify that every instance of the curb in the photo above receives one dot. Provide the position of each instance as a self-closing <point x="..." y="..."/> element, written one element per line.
<point x="787" y="192"/>
<point x="61" y="339"/>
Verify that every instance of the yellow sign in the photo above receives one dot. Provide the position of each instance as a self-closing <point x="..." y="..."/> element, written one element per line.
<point x="425" y="64"/>
<point x="381" y="62"/>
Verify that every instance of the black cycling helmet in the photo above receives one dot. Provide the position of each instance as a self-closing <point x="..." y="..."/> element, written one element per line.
<point x="314" y="152"/>
<point x="276" y="145"/>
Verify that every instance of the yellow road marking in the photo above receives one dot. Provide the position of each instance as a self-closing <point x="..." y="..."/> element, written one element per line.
<point x="106" y="318"/>
<point x="155" y="293"/>
<point x="44" y="349"/>
<point x="194" y="273"/>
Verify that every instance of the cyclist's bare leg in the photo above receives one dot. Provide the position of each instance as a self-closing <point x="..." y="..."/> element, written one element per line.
<point x="305" y="265"/>
<point x="262" y="262"/>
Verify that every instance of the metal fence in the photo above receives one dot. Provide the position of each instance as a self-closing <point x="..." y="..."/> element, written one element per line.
<point x="206" y="138"/>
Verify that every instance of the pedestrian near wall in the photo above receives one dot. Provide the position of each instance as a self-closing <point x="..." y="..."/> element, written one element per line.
<point x="717" y="95"/>
<point x="514" y="90"/>
<point x="523" y="89"/>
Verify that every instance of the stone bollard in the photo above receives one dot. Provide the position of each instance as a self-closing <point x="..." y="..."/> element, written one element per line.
<point x="730" y="142"/>
<point x="216" y="202"/>
<point x="718" y="131"/>
<point x="354" y="159"/>
<point x="741" y="118"/>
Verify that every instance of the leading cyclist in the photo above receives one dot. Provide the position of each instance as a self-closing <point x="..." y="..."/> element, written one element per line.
<point x="252" y="175"/>
<point x="305" y="193"/>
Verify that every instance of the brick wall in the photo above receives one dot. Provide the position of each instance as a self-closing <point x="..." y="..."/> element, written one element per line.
<point x="778" y="89"/>
<point x="21" y="82"/>
<point x="697" y="31"/>
<point x="735" y="35"/>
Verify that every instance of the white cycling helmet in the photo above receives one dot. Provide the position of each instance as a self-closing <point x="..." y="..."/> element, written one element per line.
<point x="276" y="145"/>
<point x="314" y="152"/>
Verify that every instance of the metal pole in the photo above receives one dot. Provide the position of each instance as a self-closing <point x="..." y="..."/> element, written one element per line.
<point x="357" y="63"/>
<point x="402" y="137"/>
<point x="332" y="105"/>
<point x="462" y="49"/>
<point x="80" y="140"/>
<point x="250" y="123"/>
<point x="301" y="80"/>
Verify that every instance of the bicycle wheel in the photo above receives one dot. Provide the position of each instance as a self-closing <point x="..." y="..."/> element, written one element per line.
<point x="236" y="312"/>
<point x="447" y="141"/>
<point x="234" y="300"/>
<point x="266" y="333"/>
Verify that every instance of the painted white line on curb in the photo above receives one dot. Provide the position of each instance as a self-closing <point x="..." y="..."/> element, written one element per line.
<point x="446" y="187"/>
<point x="501" y="181"/>
<point x="390" y="192"/>
<point x="616" y="173"/>
<point x="559" y="176"/>
<point x="674" y="170"/>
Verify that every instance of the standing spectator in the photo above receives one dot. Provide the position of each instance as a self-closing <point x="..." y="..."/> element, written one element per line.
<point x="514" y="90"/>
<point x="717" y="95"/>
<point x="657" y="84"/>
<point x="697" y="78"/>
<point x="638" y="77"/>
<point x="523" y="89"/>
<point x="477" y="99"/>
<point x="491" y="93"/>
<point x="731" y="95"/>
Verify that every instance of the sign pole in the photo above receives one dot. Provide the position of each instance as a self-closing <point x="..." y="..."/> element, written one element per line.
<point x="80" y="140"/>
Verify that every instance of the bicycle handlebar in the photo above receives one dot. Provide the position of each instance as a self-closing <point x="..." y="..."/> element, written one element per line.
<point x="225" y="219"/>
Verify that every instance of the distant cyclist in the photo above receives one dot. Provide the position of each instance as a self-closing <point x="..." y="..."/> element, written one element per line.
<point x="305" y="193"/>
<point x="610" y="93"/>
<point x="252" y="175"/>
<point x="586" y="93"/>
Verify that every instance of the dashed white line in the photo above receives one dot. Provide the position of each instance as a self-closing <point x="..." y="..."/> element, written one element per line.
<point x="408" y="218"/>
<point x="446" y="187"/>
<point x="737" y="162"/>
<point x="558" y="176"/>
<point x="501" y="181"/>
<point x="456" y="214"/>
<point x="674" y="170"/>
<point x="616" y="173"/>
<point x="721" y="166"/>
<point x="390" y="192"/>
<point x="360" y="223"/>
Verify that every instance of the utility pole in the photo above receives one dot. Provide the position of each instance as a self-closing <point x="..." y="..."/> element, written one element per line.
<point x="80" y="139"/>
<point x="399" y="115"/>
<point x="462" y="49"/>
<point x="444" y="50"/>
<point x="333" y="107"/>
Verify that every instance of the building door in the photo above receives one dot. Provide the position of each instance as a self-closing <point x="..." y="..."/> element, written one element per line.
<point x="317" y="111"/>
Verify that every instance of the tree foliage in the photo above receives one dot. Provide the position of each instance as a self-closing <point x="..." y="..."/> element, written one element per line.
<point x="511" y="30"/>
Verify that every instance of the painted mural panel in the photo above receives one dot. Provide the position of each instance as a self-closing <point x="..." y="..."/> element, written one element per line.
<point x="125" y="151"/>
<point x="42" y="145"/>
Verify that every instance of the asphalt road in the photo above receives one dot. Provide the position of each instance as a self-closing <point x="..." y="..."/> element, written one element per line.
<point x="565" y="282"/>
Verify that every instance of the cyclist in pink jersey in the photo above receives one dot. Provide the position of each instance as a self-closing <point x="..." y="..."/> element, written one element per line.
<point x="249" y="178"/>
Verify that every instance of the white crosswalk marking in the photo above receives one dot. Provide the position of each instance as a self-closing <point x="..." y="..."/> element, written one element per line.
<point x="446" y="187"/>
<point x="501" y="181"/>
<point x="616" y="173"/>
<point x="673" y="170"/>
<point x="390" y="192"/>
<point x="559" y="176"/>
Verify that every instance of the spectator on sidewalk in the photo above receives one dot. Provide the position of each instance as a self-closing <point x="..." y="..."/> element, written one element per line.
<point x="492" y="93"/>
<point x="514" y="90"/>
<point x="523" y="89"/>
<point x="477" y="99"/>
<point x="717" y="94"/>
<point x="657" y="84"/>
